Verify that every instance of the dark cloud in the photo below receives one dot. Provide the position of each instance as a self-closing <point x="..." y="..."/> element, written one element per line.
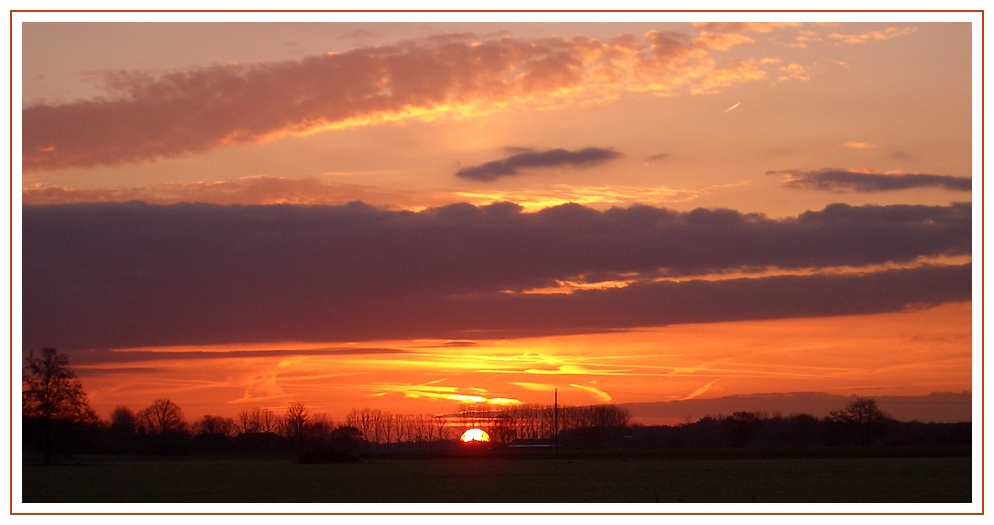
<point x="842" y="180"/>
<point x="659" y="156"/>
<point x="537" y="159"/>
<point x="115" y="275"/>
<point x="103" y="356"/>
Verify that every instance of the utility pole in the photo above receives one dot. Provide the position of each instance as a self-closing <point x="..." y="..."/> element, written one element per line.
<point x="555" y="421"/>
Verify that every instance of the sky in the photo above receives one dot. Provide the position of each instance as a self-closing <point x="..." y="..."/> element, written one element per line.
<point x="412" y="214"/>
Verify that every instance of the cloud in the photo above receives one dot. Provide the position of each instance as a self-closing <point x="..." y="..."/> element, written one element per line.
<point x="435" y="391"/>
<point x="600" y="395"/>
<point x="134" y="275"/>
<point x="794" y="72"/>
<point x="744" y="27"/>
<point x="553" y="158"/>
<point x="315" y="191"/>
<point x="872" y="36"/>
<point x="842" y="180"/>
<point x="144" y="117"/>
<point x="104" y="356"/>
<point x="699" y="391"/>
<point x="260" y="189"/>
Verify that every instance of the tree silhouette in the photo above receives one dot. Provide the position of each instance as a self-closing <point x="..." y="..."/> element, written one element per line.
<point x="215" y="425"/>
<point x="861" y="419"/>
<point x="51" y="393"/>
<point x="162" y="417"/>
<point x="257" y="420"/>
<point x="861" y="411"/>
<point x="123" y="430"/>
<point x="295" y="422"/>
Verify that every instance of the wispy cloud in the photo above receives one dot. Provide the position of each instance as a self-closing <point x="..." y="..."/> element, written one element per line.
<point x="868" y="182"/>
<point x="872" y="36"/>
<point x="435" y="391"/>
<point x="744" y="27"/>
<point x="260" y="189"/>
<point x="546" y="196"/>
<point x="514" y="164"/>
<point x="144" y="118"/>
<point x="599" y="394"/>
<point x="535" y="387"/>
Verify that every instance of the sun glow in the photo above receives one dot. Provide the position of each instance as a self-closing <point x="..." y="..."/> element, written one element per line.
<point x="474" y="434"/>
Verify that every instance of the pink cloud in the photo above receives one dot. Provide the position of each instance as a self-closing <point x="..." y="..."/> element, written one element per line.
<point x="872" y="36"/>
<point x="147" y="118"/>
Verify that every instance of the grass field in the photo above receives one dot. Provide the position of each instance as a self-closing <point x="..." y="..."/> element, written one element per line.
<point x="503" y="480"/>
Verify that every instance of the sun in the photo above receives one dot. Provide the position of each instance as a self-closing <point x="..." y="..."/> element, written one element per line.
<point x="474" y="434"/>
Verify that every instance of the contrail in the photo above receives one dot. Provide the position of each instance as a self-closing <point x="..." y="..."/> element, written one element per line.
<point x="700" y="390"/>
<point x="735" y="105"/>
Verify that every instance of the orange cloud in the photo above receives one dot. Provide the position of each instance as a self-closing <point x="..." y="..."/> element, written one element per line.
<point x="872" y="36"/>
<point x="599" y="394"/>
<point x="794" y="72"/>
<point x="533" y="199"/>
<point x="148" y="118"/>
<point x="743" y="27"/>
<point x="722" y="41"/>
<point x="259" y="189"/>
<point x="857" y="145"/>
<point x="447" y="393"/>
<point x="716" y="80"/>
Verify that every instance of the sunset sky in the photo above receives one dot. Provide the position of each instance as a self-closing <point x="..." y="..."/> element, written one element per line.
<point x="406" y="215"/>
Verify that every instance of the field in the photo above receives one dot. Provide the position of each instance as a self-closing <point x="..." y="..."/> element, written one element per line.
<point x="503" y="480"/>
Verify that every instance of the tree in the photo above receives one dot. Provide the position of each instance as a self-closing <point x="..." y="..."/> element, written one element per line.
<point x="257" y="420"/>
<point x="162" y="417"/>
<point x="123" y="420"/>
<point x="215" y="425"/>
<point x="861" y="419"/>
<point x="52" y="394"/>
<point x="861" y="410"/>
<point x="123" y="430"/>
<point x="295" y="422"/>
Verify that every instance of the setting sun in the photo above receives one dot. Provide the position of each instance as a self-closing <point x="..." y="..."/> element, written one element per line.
<point x="474" y="434"/>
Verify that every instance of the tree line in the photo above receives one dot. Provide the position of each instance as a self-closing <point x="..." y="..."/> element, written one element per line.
<point x="57" y="421"/>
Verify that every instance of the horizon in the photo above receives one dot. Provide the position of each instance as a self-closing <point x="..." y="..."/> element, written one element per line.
<point x="410" y="215"/>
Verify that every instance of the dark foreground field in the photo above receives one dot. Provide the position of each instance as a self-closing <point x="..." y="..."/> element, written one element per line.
<point x="497" y="480"/>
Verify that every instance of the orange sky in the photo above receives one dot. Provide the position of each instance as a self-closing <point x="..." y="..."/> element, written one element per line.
<point x="904" y="354"/>
<point x="414" y="214"/>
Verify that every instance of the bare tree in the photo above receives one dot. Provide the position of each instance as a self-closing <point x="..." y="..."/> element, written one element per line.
<point x="257" y="420"/>
<point x="267" y="419"/>
<point x="861" y="419"/>
<point x="162" y="417"/>
<point x="861" y="410"/>
<point x="51" y="392"/>
<point x="246" y="423"/>
<point x="440" y="423"/>
<point x="215" y="425"/>
<point x="295" y="422"/>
